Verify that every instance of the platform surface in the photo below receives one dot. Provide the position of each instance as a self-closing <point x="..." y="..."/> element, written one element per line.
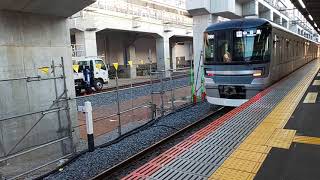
<point x="275" y="135"/>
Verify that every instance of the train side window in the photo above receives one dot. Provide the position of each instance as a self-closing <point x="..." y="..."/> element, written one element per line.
<point x="280" y="50"/>
<point x="275" y="41"/>
<point x="276" y="47"/>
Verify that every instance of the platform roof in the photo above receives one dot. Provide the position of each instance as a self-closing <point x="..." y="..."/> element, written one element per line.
<point x="309" y="7"/>
<point x="61" y="8"/>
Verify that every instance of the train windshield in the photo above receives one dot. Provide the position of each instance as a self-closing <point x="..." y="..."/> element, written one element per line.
<point x="237" y="46"/>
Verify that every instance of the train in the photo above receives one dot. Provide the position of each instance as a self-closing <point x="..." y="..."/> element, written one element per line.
<point x="244" y="56"/>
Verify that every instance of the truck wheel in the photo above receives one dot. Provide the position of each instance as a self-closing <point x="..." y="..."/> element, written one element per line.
<point x="98" y="85"/>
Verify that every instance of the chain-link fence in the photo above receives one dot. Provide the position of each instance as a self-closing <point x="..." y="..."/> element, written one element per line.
<point x="122" y="110"/>
<point x="35" y="119"/>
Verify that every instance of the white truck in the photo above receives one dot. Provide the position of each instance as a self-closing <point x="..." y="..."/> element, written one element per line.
<point x="100" y="73"/>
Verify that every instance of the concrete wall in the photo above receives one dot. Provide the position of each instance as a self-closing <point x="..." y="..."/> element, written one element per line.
<point x="250" y="8"/>
<point x="198" y="7"/>
<point x="88" y="39"/>
<point x="142" y="47"/>
<point x="181" y="51"/>
<point x="27" y="43"/>
<point x="266" y="15"/>
<point x="112" y="45"/>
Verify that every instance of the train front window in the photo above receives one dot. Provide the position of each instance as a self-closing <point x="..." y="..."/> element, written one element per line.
<point x="237" y="46"/>
<point x="251" y="45"/>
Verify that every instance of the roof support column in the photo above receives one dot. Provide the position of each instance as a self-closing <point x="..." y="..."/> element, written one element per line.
<point x="30" y="43"/>
<point x="163" y="53"/>
<point x="88" y="40"/>
<point x="200" y="23"/>
<point x="133" y="58"/>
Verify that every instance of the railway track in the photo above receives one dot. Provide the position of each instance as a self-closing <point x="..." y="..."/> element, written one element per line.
<point x="125" y="167"/>
<point x="138" y="84"/>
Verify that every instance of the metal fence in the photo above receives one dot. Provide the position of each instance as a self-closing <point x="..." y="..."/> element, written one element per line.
<point x="122" y="110"/>
<point x="35" y="119"/>
<point x="38" y="137"/>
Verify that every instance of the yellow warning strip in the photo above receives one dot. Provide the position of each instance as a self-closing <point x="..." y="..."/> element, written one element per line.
<point x="247" y="159"/>
<point x="307" y="140"/>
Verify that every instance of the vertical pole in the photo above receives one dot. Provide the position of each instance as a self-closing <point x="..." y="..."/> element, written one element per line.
<point x="172" y="91"/>
<point x="89" y="125"/>
<point x="67" y="104"/>
<point x="131" y="87"/>
<point x="150" y="69"/>
<point x="118" y="103"/>
<point x="153" y="105"/>
<point x="53" y="66"/>
<point x="162" y="92"/>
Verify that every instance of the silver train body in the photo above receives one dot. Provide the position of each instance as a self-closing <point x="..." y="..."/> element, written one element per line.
<point x="243" y="57"/>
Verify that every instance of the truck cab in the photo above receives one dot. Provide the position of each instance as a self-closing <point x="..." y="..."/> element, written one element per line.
<point x="99" y="71"/>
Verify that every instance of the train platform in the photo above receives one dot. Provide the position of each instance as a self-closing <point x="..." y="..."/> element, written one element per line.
<point x="275" y="135"/>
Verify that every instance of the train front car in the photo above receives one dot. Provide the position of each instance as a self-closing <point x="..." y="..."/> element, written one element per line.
<point x="236" y="60"/>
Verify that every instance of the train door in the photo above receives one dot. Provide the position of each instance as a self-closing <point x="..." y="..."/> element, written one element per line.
<point x="275" y="58"/>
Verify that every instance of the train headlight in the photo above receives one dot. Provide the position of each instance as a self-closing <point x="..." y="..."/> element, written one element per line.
<point x="257" y="73"/>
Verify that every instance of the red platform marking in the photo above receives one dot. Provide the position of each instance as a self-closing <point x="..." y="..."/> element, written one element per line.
<point x="154" y="165"/>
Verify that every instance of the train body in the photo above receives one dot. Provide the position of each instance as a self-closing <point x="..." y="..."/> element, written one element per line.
<point x="242" y="57"/>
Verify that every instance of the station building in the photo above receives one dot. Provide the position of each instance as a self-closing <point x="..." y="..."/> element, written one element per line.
<point x="143" y="31"/>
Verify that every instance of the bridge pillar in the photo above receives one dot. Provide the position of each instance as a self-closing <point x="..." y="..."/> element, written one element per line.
<point x="29" y="44"/>
<point x="200" y="23"/>
<point x="133" y="58"/>
<point x="89" y="41"/>
<point x="163" y="53"/>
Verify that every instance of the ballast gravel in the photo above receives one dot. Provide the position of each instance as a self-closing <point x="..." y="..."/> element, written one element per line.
<point x="92" y="163"/>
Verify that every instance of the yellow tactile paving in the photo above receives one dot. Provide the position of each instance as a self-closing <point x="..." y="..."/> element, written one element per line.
<point x="253" y="148"/>
<point x="247" y="155"/>
<point x="256" y="168"/>
<point x="247" y="159"/>
<point x="230" y="174"/>
<point x="239" y="164"/>
<point x="307" y="140"/>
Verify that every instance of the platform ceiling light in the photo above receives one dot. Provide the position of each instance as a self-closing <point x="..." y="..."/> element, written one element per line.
<point x="310" y="17"/>
<point x="315" y="25"/>
<point x="302" y="4"/>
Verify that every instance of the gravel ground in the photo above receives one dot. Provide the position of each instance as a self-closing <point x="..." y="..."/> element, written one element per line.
<point x="90" y="164"/>
<point x="110" y="98"/>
